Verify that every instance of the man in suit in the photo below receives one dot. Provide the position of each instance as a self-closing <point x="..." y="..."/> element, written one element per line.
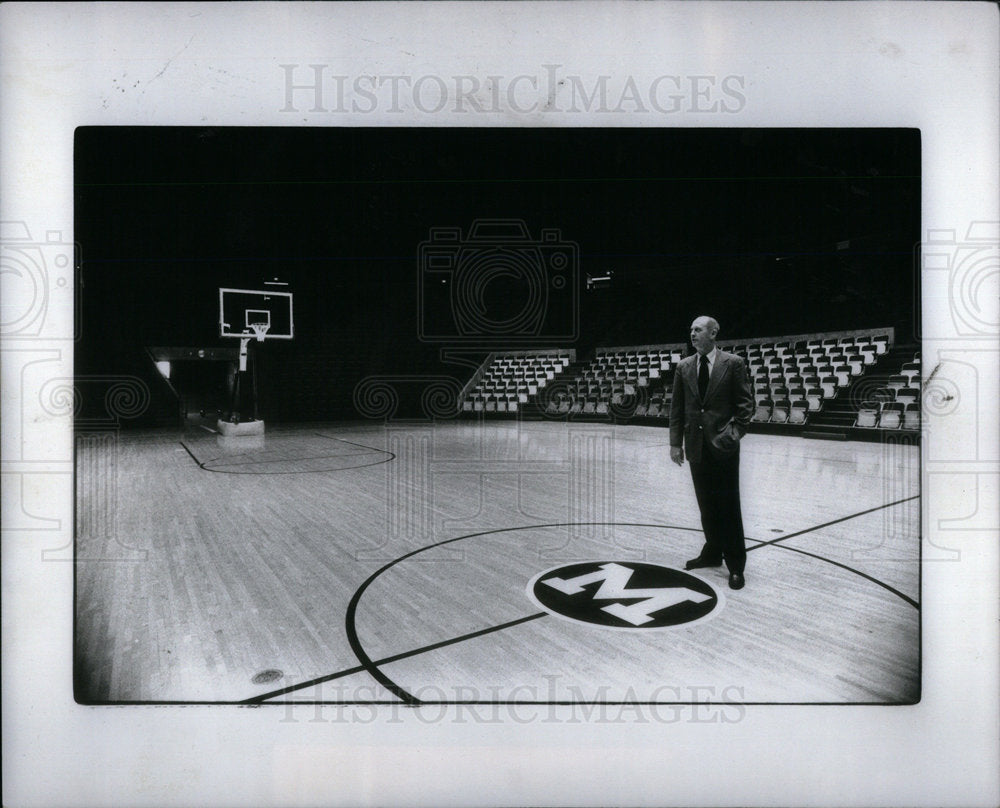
<point x="710" y="410"/>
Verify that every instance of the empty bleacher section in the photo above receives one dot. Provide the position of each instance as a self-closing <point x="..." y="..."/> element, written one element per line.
<point x="796" y="377"/>
<point x="624" y="382"/>
<point x="506" y="381"/>
<point x="832" y="384"/>
<point x="887" y="398"/>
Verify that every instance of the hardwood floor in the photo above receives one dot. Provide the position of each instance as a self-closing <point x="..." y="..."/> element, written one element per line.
<point x="203" y="562"/>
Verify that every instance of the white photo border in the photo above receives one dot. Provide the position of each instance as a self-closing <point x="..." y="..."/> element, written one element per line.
<point x="927" y="65"/>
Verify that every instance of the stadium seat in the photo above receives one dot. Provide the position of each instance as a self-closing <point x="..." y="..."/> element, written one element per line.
<point x="911" y="416"/>
<point x="763" y="411"/>
<point x="891" y="416"/>
<point x="867" y="416"/>
<point x="779" y="414"/>
<point x="829" y="386"/>
<point x="881" y="343"/>
<point x="814" y="398"/>
<point x="898" y="382"/>
<point x="908" y="395"/>
<point x="798" y="412"/>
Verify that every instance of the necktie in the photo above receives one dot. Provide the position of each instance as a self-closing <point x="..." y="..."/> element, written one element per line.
<point x="703" y="377"/>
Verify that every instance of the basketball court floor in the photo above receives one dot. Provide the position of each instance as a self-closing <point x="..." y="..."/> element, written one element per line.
<point x="399" y="563"/>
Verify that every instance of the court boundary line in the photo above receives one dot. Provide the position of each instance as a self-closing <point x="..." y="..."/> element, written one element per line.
<point x="833" y="522"/>
<point x="203" y="465"/>
<point x="395" y="658"/>
<point x="914" y="603"/>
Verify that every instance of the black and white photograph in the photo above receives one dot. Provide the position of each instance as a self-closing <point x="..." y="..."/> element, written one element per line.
<point x="343" y="393"/>
<point x="537" y="403"/>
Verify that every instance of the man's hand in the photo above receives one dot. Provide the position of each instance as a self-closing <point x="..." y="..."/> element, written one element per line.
<point x="677" y="455"/>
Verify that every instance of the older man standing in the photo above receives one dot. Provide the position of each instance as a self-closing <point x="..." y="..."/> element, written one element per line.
<point x="710" y="410"/>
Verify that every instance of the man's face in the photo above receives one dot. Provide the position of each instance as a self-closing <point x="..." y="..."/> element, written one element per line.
<point x="702" y="338"/>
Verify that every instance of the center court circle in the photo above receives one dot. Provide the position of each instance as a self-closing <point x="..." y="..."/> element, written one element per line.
<point x="625" y="595"/>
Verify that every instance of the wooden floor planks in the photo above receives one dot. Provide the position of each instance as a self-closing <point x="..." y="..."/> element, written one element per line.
<point x="191" y="581"/>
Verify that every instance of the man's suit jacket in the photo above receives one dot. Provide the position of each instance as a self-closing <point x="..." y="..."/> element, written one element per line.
<point x="722" y="418"/>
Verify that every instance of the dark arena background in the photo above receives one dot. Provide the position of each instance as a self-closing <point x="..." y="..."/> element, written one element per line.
<point x="486" y="326"/>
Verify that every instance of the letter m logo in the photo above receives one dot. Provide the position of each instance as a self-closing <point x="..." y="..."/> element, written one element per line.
<point x="614" y="580"/>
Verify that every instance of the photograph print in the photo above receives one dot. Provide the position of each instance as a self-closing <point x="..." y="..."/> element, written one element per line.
<point x="603" y="418"/>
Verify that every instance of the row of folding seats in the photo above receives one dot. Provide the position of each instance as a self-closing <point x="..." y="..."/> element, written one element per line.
<point x="532" y="359"/>
<point x="889" y="415"/>
<point x="567" y="403"/>
<point x="504" y="404"/>
<point x="638" y="357"/>
<point x="510" y="380"/>
<point x="809" y="365"/>
<point x="782" y="411"/>
<point x="834" y="379"/>
<point x="812" y="396"/>
<point x="904" y="395"/>
<point x="879" y="342"/>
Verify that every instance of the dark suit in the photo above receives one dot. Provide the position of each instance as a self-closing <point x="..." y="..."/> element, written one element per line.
<point x="711" y="431"/>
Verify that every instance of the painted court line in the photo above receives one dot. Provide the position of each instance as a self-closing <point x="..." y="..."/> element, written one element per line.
<point x="373" y="666"/>
<point x="394" y="658"/>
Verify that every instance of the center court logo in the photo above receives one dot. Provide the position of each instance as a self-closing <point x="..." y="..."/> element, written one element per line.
<point x="624" y="594"/>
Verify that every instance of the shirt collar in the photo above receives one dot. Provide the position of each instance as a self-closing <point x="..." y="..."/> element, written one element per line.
<point x="711" y="355"/>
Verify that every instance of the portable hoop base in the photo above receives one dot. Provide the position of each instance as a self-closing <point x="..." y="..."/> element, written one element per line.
<point x="242" y="428"/>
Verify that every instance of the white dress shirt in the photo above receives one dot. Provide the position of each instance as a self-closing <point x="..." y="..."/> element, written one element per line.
<point x="711" y="356"/>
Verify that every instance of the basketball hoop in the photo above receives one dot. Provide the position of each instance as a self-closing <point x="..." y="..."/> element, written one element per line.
<point x="259" y="330"/>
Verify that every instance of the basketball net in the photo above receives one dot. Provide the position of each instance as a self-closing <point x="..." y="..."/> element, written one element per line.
<point x="259" y="330"/>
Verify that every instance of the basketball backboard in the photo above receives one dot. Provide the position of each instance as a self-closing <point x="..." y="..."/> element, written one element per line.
<point x="241" y="309"/>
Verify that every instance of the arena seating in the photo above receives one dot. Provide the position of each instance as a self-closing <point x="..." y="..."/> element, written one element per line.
<point x="628" y="381"/>
<point x="510" y="379"/>
<point x="796" y="381"/>
<point x="792" y="378"/>
<point x="896" y="404"/>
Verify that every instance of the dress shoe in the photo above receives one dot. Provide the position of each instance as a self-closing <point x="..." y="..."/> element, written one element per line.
<point x="736" y="580"/>
<point x="701" y="561"/>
